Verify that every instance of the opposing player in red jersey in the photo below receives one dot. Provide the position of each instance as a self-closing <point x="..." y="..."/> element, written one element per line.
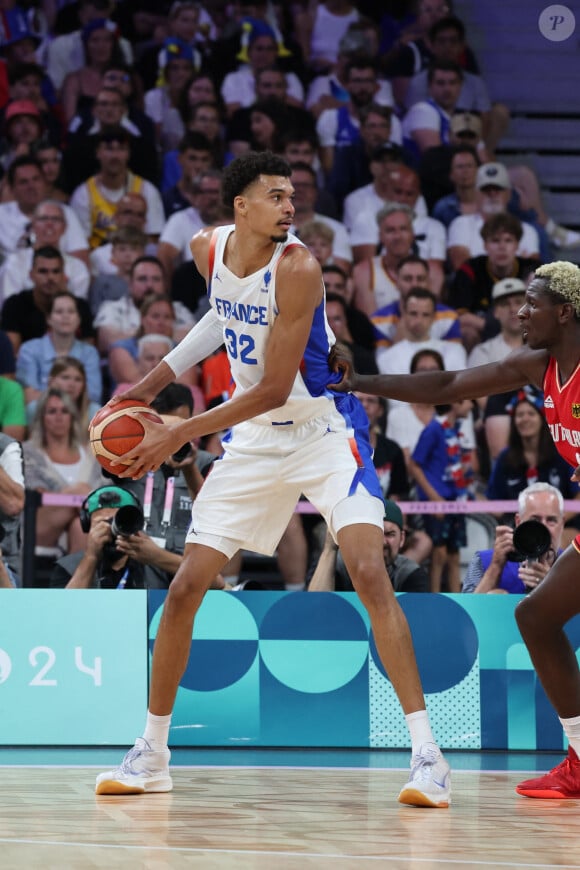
<point x="550" y="319"/>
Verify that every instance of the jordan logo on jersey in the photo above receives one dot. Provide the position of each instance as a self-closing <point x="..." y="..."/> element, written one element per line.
<point x="576" y="410"/>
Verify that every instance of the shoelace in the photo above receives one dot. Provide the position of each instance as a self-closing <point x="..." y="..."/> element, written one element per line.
<point x="130" y="756"/>
<point x="423" y="763"/>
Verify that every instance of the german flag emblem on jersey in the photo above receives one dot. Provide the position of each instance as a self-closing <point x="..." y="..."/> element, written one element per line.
<point x="576" y="410"/>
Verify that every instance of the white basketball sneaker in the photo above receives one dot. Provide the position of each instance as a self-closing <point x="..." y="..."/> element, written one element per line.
<point x="142" y="770"/>
<point x="430" y="781"/>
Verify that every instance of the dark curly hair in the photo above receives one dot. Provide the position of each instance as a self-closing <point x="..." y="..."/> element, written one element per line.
<point x="244" y="170"/>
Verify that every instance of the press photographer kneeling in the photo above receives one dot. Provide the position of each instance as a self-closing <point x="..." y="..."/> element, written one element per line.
<point x="521" y="558"/>
<point x="119" y="555"/>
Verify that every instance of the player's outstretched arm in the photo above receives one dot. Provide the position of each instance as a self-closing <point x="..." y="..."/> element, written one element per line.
<point x="520" y="367"/>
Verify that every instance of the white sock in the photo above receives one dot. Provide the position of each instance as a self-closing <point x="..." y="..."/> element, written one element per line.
<point x="157" y="730"/>
<point x="419" y="729"/>
<point x="572" y="731"/>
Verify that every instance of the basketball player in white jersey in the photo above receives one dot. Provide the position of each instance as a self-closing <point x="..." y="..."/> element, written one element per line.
<point x="290" y="435"/>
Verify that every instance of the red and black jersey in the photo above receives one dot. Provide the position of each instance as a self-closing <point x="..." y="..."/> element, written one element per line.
<point x="562" y="411"/>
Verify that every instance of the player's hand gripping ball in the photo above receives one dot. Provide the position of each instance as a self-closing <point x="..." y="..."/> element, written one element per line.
<point x="114" y="432"/>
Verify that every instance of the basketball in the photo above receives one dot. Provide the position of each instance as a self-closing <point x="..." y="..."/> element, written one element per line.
<point x="113" y="432"/>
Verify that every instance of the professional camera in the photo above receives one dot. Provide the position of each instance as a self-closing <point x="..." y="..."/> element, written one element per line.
<point x="531" y="540"/>
<point x="128" y="520"/>
<point x="184" y="451"/>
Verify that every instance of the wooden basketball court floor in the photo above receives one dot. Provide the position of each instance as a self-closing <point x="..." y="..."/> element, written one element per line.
<point x="279" y="810"/>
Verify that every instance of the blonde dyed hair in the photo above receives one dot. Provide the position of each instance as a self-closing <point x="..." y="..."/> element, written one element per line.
<point x="563" y="279"/>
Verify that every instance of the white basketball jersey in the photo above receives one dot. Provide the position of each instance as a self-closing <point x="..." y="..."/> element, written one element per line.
<point x="247" y="309"/>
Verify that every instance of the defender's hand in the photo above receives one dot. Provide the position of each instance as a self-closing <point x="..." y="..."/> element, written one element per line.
<point x="340" y="361"/>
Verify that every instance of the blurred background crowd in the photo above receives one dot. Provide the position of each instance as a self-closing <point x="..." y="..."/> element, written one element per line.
<point x="116" y="122"/>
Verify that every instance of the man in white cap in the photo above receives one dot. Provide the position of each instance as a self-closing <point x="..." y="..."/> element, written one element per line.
<point x="493" y="194"/>
<point x="507" y="298"/>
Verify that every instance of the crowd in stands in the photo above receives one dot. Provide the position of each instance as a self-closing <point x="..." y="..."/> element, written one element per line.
<point x="117" y="118"/>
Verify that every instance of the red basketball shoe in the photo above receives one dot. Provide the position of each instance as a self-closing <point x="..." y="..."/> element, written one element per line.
<point x="561" y="783"/>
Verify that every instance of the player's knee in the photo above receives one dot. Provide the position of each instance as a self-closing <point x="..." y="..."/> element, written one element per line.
<point x="370" y="580"/>
<point x="185" y="591"/>
<point x="528" y="617"/>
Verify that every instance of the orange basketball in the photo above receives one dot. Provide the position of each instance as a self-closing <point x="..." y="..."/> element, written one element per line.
<point x="113" y="432"/>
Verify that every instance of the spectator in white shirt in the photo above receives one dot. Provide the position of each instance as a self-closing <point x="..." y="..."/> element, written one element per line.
<point x="28" y="188"/>
<point x="47" y="227"/>
<point x="239" y="87"/>
<point x="402" y="186"/>
<point x="340" y="127"/>
<point x="493" y="194"/>
<point x="427" y="123"/>
<point x="418" y="314"/>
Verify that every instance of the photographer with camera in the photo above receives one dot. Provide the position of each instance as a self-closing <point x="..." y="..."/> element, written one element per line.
<point x="118" y="555"/>
<point x="521" y="557"/>
<point x="168" y="493"/>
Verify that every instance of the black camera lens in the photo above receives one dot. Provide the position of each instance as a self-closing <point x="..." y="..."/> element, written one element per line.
<point x="127" y="521"/>
<point x="184" y="451"/>
<point x="531" y="540"/>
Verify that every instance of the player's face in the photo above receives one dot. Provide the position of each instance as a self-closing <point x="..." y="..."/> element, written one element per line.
<point x="539" y="317"/>
<point x="267" y="206"/>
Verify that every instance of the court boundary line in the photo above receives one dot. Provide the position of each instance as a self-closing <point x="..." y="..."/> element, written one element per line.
<point x="179" y="767"/>
<point x="284" y="854"/>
